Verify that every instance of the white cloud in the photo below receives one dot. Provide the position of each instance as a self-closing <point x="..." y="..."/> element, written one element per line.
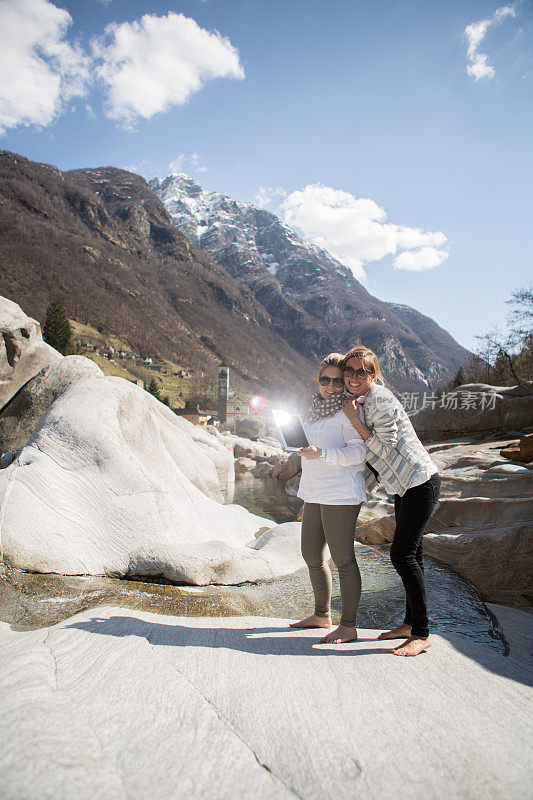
<point x="503" y="12"/>
<point x="477" y="66"/>
<point x="39" y="69"/>
<point x="355" y="230"/>
<point x="418" y="260"/>
<point x="267" y="194"/>
<point x="475" y="33"/>
<point x="154" y="63"/>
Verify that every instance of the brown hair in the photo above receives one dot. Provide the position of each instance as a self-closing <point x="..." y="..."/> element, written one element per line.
<point x="333" y="360"/>
<point x="368" y="357"/>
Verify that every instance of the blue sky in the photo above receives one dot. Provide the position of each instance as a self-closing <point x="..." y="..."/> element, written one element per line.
<point x="397" y="135"/>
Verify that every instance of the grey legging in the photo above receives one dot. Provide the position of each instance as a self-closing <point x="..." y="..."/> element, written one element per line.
<point x="334" y="526"/>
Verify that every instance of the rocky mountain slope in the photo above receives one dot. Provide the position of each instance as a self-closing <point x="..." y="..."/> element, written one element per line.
<point x="104" y="242"/>
<point x="313" y="300"/>
<point x="198" y="278"/>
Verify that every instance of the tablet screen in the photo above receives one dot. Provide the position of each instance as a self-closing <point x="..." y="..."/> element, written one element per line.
<point x="291" y="430"/>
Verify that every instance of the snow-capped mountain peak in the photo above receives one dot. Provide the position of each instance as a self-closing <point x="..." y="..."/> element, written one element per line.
<point x="312" y="299"/>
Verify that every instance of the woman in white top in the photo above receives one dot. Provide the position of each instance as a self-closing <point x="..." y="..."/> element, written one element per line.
<point x="332" y="488"/>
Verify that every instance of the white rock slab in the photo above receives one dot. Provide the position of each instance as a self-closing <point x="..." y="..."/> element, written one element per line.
<point x="509" y="469"/>
<point x="112" y="482"/>
<point x="22" y="350"/>
<point x="121" y="704"/>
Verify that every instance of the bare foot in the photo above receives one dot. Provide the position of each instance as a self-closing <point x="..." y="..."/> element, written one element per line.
<point x="341" y="634"/>
<point x="314" y="621"/>
<point x="401" y="632"/>
<point x="412" y="646"/>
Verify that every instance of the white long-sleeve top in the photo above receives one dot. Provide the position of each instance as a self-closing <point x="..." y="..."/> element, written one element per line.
<point x="338" y="480"/>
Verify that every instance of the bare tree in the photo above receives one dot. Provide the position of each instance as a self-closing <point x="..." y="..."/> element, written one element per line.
<point x="501" y="358"/>
<point x="520" y="318"/>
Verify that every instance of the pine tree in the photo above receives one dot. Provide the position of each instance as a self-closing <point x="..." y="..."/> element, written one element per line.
<point x="154" y="389"/>
<point x="57" y="331"/>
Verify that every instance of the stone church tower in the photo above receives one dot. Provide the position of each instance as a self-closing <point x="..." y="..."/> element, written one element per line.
<point x="223" y="391"/>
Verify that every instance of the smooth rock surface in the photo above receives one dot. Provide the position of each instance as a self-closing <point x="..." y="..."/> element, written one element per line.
<point x="22" y="351"/>
<point x="243" y="465"/>
<point x="521" y="451"/>
<point x="21" y="414"/>
<point x="288" y="470"/>
<point x="112" y="482"/>
<point x="509" y="468"/>
<point x="375" y="530"/>
<point x="121" y="704"/>
<point x="246" y="448"/>
<point x="481" y="410"/>
<point x="478" y="512"/>
<point x="494" y="558"/>
<point x="250" y="427"/>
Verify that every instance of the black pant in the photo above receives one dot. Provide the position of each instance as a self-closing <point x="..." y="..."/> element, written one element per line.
<point x="412" y="512"/>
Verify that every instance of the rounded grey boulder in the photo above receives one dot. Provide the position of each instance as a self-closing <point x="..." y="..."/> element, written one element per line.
<point x="21" y="414"/>
<point x="22" y="350"/>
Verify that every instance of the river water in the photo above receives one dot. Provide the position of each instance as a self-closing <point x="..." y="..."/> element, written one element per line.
<point x="29" y="601"/>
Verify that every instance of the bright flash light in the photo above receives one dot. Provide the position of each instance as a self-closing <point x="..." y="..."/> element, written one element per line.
<point x="257" y="402"/>
<point x="281" y="417"/>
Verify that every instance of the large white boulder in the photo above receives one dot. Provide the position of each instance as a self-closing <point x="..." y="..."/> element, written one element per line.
<point x="21" y="414"/>
<point x="22" y="351"/>
<point x="112" y="482"/>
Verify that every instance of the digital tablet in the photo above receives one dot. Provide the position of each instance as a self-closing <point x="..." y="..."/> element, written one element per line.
<point x="291" y="430"/>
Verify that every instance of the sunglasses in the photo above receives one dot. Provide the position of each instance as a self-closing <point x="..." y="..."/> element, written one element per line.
<point x="325" y="381"/>
<point x="359" y="373"/>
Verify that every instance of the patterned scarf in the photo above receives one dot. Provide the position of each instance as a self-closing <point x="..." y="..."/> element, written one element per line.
<point x="321" y="408"/>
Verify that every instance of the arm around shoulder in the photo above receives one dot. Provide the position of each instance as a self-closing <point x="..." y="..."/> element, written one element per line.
<point x="383" y="414"/>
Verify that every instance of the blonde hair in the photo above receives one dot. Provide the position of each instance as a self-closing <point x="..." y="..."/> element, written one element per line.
<point x="333" y="360"/>
<point x="368" y="358"/>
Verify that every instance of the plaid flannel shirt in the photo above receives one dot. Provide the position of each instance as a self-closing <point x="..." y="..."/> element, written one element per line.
<point x="394" y="450"/>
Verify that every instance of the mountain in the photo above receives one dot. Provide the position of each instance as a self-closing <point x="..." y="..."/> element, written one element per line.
<point x="228" y="282"/>
<point x="313" y="300"/>
<point x="101" y="240"/>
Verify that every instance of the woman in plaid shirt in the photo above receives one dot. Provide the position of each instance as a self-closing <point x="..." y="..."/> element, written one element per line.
<point x="396" y="459"/>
